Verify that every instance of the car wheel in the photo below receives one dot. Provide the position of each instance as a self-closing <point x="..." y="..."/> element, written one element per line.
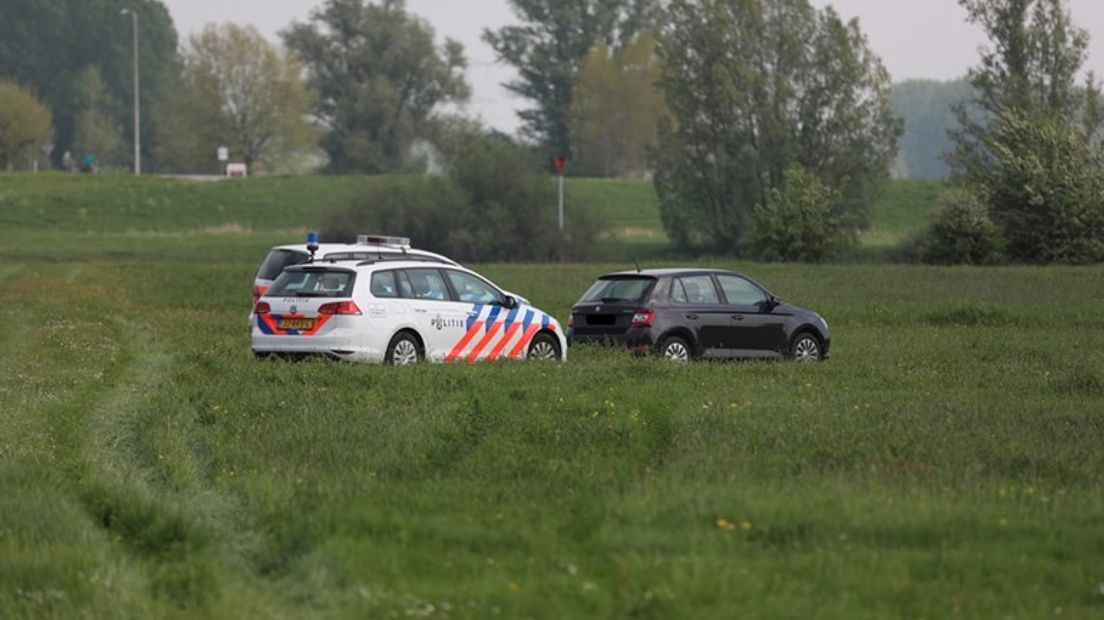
<point x="806" y="348"/>
<point x="675" y="349"/>
<point x="404" y="350"/>
<point x="544" y="347"/>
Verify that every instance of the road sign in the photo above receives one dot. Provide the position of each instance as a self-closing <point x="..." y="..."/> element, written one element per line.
<point x="223" y="153"/>
<point x="561" y="164"/>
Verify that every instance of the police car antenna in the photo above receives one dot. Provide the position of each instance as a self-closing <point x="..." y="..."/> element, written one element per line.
<point x="637" y="265"/>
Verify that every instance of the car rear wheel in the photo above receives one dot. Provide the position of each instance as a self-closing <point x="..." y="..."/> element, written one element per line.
<point x="544" y="347"/>
<point x="404" y="350"/>
<point x="806" y="348"/>
<point x="675" y="349"/>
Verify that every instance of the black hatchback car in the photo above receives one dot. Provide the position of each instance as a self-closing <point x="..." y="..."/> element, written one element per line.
<point x="685" y="314"/>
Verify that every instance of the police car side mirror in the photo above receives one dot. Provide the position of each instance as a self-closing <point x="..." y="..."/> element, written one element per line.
<point x="510" y="302"/>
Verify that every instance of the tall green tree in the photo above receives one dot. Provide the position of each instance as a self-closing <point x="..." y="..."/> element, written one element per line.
<point x="97" y="128"/>
<point x="616" y="109"/>
<point x="548" y="48"/>
<point x="48" y="44"/>
<point x="25" y="125"/>
<point x="239" y="91"/>
<point x="758" y="88"/>
<point x="1027" y="140"/>
<point x="379" y="78"/>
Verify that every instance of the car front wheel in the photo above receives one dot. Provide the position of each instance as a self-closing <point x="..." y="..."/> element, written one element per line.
<point x="806" y="348"/>
<point x="404" y="350"/>
<point x="544" y="347"/>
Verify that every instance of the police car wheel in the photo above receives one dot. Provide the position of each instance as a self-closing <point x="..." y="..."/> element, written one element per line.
<point x="404" y="350"/>
<point x="544" y="347"/>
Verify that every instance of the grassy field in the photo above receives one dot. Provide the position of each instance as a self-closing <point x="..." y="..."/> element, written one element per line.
<point x="946" y="462"/>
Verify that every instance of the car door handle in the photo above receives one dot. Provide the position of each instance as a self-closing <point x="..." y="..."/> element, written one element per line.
<point x="738" y="317"/>
<point x="692" y="317"/>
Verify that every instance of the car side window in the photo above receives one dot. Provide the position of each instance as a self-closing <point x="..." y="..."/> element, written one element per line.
<point x="428" y="284"/>
<point x="472" y="289"/>
<point x="406" y="291"/>
<point x="694" y="290"/>
<point x="741" y="292"/>
<point x="383" y="284"/>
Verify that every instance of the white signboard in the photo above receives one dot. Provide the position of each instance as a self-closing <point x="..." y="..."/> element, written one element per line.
<point x="223" y="153"/>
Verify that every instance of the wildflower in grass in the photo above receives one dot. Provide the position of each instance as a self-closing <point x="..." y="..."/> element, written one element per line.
<point x="1030" y="490"/>
<point x="745" y="525"/>
<point x="725" y="524"/>
<point x="514" y="586"/>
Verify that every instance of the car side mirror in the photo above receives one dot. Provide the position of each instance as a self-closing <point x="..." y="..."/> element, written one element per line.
<point x="510" y="302"/>
<point x="771" y="303"/>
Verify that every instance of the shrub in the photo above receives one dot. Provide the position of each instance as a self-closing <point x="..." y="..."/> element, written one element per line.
<point x="961" y="232"/>
<point x="495" y="204"/>
<point x="797" y="223"/>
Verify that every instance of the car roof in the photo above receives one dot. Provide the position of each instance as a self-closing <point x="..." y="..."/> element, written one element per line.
<point x="666" y="271"/>
<point x="371" y="265"/>
<point x="368" y="249"/>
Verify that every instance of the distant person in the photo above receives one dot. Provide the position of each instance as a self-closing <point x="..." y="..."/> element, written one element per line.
<point x="69" y="163"/>
<point x="91" y="164"/>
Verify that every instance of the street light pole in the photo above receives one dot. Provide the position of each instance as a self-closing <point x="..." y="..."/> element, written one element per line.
<point x="137" y="104"/>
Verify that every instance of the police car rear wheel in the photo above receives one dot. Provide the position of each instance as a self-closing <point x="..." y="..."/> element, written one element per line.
<point x="404" y="350"/>
<point x="544" y="347"/>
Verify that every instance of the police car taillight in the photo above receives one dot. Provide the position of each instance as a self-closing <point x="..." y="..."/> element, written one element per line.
<point x="402" y="242"/>
<point x="643" y="318"/>
<point x="263" y="308"/>
<point x="340" y="307"/>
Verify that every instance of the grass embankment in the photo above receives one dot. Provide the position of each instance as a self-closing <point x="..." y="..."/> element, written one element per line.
<point x="945" y="462"/>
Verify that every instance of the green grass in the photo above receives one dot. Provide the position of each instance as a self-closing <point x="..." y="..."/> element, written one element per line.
<point x="945" y="462"/>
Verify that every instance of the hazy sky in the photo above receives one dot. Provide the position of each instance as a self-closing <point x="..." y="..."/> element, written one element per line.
<point x="915" y="38"/>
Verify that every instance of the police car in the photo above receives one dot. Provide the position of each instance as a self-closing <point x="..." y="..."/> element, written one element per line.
<point x="400" y="312"/>
<point x="366" y="247"/>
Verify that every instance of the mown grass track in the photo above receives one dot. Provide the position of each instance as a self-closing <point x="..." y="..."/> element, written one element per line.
<point x="946" y="461"/>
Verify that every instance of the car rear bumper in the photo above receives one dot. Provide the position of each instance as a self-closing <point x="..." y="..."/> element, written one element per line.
<point x="302" y="346"/>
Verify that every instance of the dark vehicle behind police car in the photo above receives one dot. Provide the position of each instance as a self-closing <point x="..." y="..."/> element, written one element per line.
<point x="685" y="314"/>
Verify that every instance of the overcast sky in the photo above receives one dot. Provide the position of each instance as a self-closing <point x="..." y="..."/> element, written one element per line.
<point x="915" y="38"/>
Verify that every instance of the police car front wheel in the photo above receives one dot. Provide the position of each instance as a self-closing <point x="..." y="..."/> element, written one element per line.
<point x="404" y="350"/>
<point x="544" y="347"/>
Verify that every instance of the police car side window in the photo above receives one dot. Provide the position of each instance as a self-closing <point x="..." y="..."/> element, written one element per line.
<point x="406" y="291"/>
<point x="428" y="284"/>
<point x="471" y="289"/>
<point x="383" y="284"/>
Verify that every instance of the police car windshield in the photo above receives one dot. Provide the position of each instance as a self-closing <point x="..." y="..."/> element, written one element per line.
<point x="313" y="283"/>
<point x="277" y="260"/>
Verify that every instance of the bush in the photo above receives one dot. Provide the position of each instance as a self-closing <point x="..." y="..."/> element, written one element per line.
<point x="961" y="232"/>
<point x="495" y="204"/>
<point x="797" y="223"/>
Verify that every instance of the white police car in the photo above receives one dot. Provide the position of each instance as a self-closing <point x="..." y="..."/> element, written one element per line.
<point x="399" y="312"/>
<point x="366" y="247"/>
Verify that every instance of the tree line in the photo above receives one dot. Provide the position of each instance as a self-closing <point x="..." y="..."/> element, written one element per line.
<point x="770" y="126"/>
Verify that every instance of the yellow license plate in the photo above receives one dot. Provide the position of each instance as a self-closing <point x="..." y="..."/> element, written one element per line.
<point x="298" y="324"/>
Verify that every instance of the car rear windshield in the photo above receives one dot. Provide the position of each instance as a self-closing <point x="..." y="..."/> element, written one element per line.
<point x="313" y="283"/>
<point x="619" y="289"/>
<point x="277" y="260"/>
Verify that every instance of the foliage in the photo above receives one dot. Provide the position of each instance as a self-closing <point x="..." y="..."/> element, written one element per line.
<point x="961" y="232"/>
<point x="927" y="108"/>
<point x="797" y="224"/>
<point x="495" y="204"/>
<point x="755" y="88"/>
<point x="379" y="78"/>
<point x="616" y="109"/>
<point x="98" y="129"/>
<point x="548" y="49"/>
<point x="1030" y="149"/>
<point x="49" y="44"/>
<point x="25" y="125"/>
<point x="239" y="91"/>
<point x="1045" y="188"/>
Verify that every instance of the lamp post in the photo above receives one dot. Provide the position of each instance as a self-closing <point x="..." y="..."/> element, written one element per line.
<point x="137" y="105"/>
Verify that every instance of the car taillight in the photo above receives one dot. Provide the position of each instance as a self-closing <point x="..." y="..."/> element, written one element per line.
<point x="340" y="307"/>
<point x="262" y="308"/>
<point x="258" y="292"/>
<point x="643" y="318"/>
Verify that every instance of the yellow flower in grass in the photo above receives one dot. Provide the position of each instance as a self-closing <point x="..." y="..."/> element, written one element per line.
<point x="745" y="525"/>
<point x="725" y="524"/>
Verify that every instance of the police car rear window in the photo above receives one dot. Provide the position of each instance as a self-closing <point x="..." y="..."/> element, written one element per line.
<point x="313" y="283"/>
<point x="277" y="260"/>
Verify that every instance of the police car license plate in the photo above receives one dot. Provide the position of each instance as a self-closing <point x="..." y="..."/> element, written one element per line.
<point x="296" y="323"/>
